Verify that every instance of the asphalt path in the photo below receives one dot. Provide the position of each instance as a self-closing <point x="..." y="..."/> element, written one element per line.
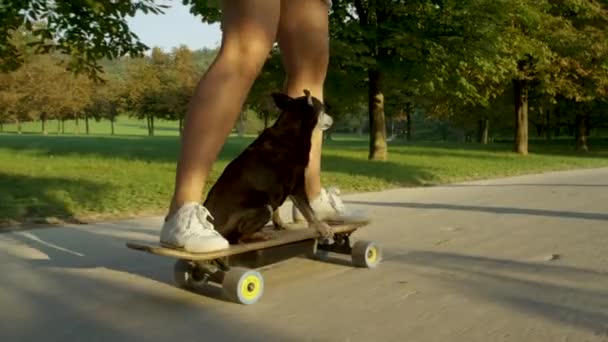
<point x="515" y="259"/>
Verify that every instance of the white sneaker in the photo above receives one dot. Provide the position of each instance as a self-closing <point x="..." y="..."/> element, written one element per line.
<point x="329" y="207"/>
<point x="190" y="229"/>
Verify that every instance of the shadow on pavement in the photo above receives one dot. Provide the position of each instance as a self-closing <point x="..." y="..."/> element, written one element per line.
<point x="559" y="185"/>
<point x="74" y="284"/>
<point x="564" y="294"/>
<point x="492" y="210"/>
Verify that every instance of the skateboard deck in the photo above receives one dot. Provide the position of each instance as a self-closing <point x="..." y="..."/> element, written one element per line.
<point x="295" y="232"/>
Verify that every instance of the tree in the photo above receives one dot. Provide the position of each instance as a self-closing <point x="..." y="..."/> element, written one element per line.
<point x="559" y="48"/>
<point x="184" y="77"/>
<point x="10" y="99"/>
<point x="270" y="80"/>
<point x="143" y="89"/>
<point x="87" y="31"/>
<point x="432" y="55"/>
<point x="106" y="103"/>
<point x="357" y="29"/>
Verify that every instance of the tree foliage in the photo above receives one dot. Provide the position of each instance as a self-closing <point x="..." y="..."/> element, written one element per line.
<point x="463" y="62"/>
<point x="87" y="31"/>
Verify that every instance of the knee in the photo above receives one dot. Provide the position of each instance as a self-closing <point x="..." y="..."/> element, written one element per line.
<point x="247" y="57"/>
<point x="307" y="61"/>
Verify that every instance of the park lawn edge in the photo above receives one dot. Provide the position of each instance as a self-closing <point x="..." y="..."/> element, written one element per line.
<point x="94" y="218"/>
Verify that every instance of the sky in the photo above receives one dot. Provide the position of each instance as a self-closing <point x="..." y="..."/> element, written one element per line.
<point x="175" y="27"/>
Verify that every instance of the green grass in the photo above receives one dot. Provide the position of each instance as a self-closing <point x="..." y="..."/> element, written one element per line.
<point x="124" y="125"/>
<point x="94" y="177"/>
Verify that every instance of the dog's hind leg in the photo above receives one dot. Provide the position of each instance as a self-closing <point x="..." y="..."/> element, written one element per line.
<point x="252" y="221"/>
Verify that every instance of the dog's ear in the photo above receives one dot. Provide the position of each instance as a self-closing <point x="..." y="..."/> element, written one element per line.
<point x="281" y="100"/>
<point x="308" y="97"/>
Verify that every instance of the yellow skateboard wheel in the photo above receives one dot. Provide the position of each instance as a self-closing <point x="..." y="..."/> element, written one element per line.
<point x="243" y="286"/>
<point x="366" y="254"/>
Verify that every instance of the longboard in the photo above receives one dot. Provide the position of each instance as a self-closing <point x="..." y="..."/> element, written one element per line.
<point x="295" y="232"/>
<point x="236" y="268"/>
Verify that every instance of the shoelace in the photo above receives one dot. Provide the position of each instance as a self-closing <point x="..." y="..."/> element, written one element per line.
<point x="201" y="213"/>
<point x="334" y="200"/>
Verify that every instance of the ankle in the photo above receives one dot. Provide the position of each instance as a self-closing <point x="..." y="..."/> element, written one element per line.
<point x="313" y="194"/>
<point x="175" y="206"/>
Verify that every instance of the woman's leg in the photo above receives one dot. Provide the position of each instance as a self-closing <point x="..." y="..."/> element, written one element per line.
<point x="303" y="38"/>
<point x="249" y="31"/>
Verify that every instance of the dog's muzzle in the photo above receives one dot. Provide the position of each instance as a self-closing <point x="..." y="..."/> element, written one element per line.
<point x="325" y="121"/>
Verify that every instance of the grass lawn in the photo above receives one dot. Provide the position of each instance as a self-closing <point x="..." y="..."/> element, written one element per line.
<point x="124" y="126"/>
<point x="101" y="177"/>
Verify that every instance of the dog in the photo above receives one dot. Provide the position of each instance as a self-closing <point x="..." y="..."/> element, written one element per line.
<point x="255" y="184"/>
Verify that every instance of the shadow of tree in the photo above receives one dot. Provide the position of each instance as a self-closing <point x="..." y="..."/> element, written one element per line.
<point x="37" y="197"/>
<point x="144" y="127"/>
<point x="551" y="185"/>
<point x="391" y="172"/>
<point x="517" y="284"/>
<point x="492" y="210"/>
<point x="152" y="149"/>
<point x="165" y="149"/>
<point x="473" y="150"/>
<point x="92" y="285"/>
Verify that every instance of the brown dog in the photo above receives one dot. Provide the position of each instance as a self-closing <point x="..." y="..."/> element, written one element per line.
<point x="255" y="184"/>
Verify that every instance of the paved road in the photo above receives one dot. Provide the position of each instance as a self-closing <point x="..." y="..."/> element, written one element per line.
<point x="464" y="262"/>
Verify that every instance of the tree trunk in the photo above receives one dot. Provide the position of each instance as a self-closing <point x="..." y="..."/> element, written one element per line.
<point x="1" y="127"/>
<point x="63" y="126"/>
<point x="582" y="123"/>
<point x="377" y="131"/>
<point x="520" y="88"/>
<point x="181" y="126"/>
<point x="548" y="124"/>
<point x="541" y="126"/>
<point x="150" y="123"/>
<point x="443" y="128"/>
<point x="327" y="135"/>
<point x="43" y="119"/>
<point x="241" y="125"/>
<point x="58" y="126"/>
<point x="76" y="126"/>
<point x="539" y="129"/>
<point x="18" y="126"/>
<point x="408" y="126"/>
<point x="86" y="124"/>
<point x="484" y="129"/>
<point x="112" y="121"/>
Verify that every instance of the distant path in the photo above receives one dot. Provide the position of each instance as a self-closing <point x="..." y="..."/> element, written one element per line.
<point x="517" y="259"/>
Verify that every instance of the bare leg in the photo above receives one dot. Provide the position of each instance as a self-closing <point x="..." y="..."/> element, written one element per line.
<point x="249" y="30"/>
<point x="303" y="38"/>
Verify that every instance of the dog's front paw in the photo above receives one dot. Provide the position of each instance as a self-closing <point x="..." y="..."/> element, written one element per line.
<point x="279" y="226"/>
<point x="327" y="235"/>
